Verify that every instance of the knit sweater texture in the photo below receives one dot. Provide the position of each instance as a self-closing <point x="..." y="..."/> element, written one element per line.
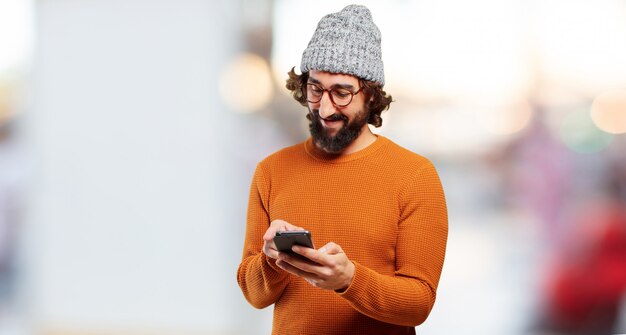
<point x="385" y="207"/>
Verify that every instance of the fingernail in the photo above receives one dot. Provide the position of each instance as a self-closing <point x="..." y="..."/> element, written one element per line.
<point x="323" y="249"/>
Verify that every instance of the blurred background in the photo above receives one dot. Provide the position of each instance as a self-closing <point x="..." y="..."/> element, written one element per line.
<point x="130" y="129"/>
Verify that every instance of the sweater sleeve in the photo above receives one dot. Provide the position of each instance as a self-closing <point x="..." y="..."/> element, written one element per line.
<point x="407" y="297"/>
<point x="260" y="279"/>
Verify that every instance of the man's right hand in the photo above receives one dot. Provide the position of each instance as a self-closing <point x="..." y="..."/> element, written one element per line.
<point x="269" y="248"/>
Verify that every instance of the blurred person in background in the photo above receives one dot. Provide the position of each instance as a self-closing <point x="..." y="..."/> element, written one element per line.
<point x="535" y="169"/>
<point x="586" y="285"/>
<point x="377" y="209"/>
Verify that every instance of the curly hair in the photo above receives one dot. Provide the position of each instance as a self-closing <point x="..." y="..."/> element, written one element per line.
<point x="380" y="101"/>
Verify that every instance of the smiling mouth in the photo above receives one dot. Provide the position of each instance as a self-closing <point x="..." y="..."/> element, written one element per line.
<point x="331" y="123"/>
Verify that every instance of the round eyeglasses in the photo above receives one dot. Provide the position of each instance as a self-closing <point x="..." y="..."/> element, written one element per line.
<point x="340" y="97"/>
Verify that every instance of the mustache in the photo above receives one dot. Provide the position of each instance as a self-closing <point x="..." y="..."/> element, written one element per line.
<point x="334" y="117"/>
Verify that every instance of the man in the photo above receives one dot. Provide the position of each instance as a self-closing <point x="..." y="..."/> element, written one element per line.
<point x="376" y="209"/>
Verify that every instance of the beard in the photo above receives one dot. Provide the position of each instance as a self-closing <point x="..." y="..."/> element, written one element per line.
<point x="334" y="144"/>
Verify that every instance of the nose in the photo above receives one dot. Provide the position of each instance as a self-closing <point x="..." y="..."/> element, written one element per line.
<point x="327" y="108"/>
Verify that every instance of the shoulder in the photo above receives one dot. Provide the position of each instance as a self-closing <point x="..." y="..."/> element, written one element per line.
<point x="408" y="170"/>
<point x="417" y="178"/>
<point x="283" y="157"/>
<point x="403" y="158"/>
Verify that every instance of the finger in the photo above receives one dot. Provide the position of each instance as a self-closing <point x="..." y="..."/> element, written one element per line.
<point x="269" y="234"/>
<point x="275" y="226"/>
<point x="290" y="227"/>
<point x="270" y="252"/>
<point x="284" y="225"/>
<point x="278" y="222"/>
<point x="296" y="271"/>
<point x="302" y="263"/>
<point x="312" y="254"/>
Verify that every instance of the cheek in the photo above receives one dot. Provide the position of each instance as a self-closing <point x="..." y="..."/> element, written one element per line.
<point x="349" y="113"/>
<point x="353" y="111"/>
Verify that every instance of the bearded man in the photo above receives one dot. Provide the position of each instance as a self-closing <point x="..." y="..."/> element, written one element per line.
<point x="377" y="210"/>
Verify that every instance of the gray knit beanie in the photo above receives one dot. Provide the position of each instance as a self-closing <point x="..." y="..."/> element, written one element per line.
<point x="346" y="42"/>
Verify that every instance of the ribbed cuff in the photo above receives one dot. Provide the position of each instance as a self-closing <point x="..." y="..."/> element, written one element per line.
<point x="272" y="264"/>
<point x="358" y="284"/>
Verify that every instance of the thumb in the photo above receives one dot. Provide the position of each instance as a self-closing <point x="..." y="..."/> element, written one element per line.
<point x="269" y="235"/>
<point x="275" y="226"/>
<point x="331" y="248"/>
<point x="278" y="225"/>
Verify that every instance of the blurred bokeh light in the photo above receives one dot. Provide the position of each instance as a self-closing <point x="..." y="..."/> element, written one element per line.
<point x="245" y="84"/>
<point x="580" y="134"/>
<point x="608" y="111"/>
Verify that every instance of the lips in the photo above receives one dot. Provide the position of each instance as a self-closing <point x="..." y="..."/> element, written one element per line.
<point x="335" y="117"/>
<point x="331" y="123"/>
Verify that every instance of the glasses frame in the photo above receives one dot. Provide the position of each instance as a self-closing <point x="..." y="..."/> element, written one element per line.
<point x="330" y="94"/>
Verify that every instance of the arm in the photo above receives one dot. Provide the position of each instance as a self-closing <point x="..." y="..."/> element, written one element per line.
<point x="408" y="297"/>
<point x="260" y="280"/>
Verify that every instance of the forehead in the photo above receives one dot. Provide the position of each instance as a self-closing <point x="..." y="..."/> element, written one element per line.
<point x="329" y="78"/>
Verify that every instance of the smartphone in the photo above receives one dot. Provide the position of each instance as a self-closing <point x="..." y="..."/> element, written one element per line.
<point x="284" y="240"/>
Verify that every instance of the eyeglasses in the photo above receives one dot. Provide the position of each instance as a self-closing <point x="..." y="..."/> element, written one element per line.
<point x="340" y="97"/>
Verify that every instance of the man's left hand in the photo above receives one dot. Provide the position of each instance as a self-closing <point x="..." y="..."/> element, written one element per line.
<point x="327" y="268"/>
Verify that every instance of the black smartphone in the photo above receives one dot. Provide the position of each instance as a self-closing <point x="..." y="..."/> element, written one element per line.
<point x="284" y="240"/>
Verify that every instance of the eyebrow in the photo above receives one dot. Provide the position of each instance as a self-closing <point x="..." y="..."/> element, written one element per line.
<point x="346" y="86"/>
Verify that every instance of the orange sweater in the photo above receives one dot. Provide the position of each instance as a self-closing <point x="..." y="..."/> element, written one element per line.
<point x="384" y="205"/>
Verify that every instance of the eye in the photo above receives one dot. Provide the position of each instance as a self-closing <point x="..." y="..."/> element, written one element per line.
<point x="341" y="93"/>
<point x="315" y="89"/>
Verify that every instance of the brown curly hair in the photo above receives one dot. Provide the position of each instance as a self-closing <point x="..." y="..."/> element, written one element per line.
<point x="296" y="83"/>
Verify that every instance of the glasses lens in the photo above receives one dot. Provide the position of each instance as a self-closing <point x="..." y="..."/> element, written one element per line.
<point x="341" y="96"/>
<point x="314" y="93"/>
